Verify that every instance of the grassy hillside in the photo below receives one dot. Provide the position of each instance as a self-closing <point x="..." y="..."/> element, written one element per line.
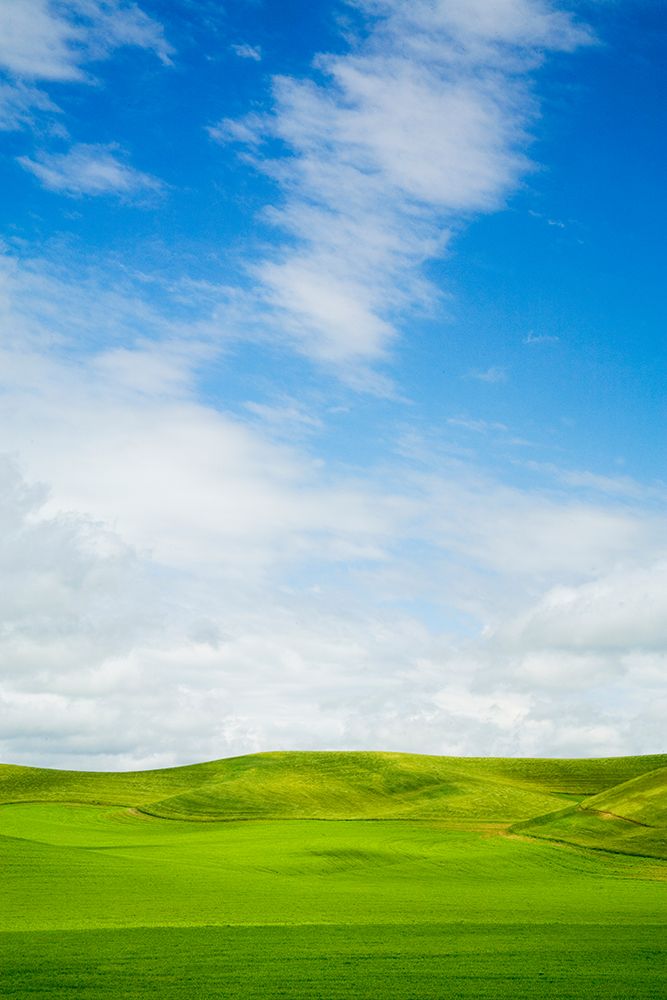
<point x="355" y="786"/>
<point x="37" y="784"/>
<point x="219" y="880"/>
<point x="629" y="818"/>
<point x="640" y="800"/>
<point x="295" y="785"/>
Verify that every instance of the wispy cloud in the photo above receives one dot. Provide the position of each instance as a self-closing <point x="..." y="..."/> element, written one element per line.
<point x="421" y="124"/>
<point x="540" y="338"/>
<point x="493" y="375"/>
<point x="478" y="426"/>
<point x="45" y="42"/>
<point x="90" y="170"/>
<point x="42" y="40"/>
<point x="556" y="223"/>
<point x="285" y="417"/>
<point x="19" y="103"/>
<point x="596" y="483"/>
<point x="246" y="51"/>
<point x="247" y="131"/>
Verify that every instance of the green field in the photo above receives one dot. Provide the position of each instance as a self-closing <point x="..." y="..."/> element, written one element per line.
<point x="326" y="875"/>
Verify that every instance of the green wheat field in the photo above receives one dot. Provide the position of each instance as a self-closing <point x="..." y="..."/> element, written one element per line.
<point x="336" y="875"/>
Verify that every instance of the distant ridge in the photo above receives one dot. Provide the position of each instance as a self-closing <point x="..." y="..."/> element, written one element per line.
<point x="615" y="803"/>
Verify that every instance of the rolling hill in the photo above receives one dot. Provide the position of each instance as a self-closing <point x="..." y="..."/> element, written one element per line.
<point x="345" y="875"/>
<point x="338" y="785"/>
<point x="628" y="818"/>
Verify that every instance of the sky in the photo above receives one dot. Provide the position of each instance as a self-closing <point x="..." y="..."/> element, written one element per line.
<point x="332" y="378"/>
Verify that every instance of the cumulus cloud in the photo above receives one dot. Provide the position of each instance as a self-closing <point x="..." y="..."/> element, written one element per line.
<point x="388" y="148"/>
<point x="625" y="608"/>
<point x="74" y="598"/>
<point x="190" y="586"/>
<point x="259" y="499"/>
<point x="89" y="170"/>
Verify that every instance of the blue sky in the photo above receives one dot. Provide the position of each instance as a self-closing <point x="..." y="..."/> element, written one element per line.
<point x="332" y="378"/>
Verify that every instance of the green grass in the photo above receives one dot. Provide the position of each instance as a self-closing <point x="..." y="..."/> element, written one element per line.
<point x="334" y="875"/>
<point x="334" y="785"/>
<point x="410" y="962"/>
<point x="630" y="818"/>
<point x="641" y="800"/>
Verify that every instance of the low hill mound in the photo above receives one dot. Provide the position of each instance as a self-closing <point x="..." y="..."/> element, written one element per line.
<point x="629" y="818"/>
<point x="356" y="786"/>
<point x="338" y="785"/>
<point x="641" y="800"/>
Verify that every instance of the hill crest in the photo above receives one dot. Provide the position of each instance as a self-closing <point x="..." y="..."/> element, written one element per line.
<point x="351" y="785"/>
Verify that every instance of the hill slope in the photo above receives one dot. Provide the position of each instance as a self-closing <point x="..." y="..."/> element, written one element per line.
<point x="629" y="818"/>
<point x="343" y="785"/>
<point x="107" y="902"/>
<point x="642" y="800"/>
<point x="103" y="899"/>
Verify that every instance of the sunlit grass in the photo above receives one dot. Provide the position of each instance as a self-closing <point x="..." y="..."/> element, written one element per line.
<point x="422" y="891"/>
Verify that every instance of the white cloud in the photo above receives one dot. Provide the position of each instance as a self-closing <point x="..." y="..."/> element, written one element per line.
<point x="541" y="338"/>
<point x="529" y="534"/>
<point x="421" y="124"/>
<point x="478" y="426"/>
<point x="90" y="170"/>
<point x="557" y="223"/>
<point x="55" y="41"/>
<point x="135" y="403"/>
<point x="247" y="131"/>
<point x="211" y="645"/>
<point x="45" y="40"/>
<point x="246" y="51"/>
<point x="19" y="103"/>
<point x="286" y="416"/>
<point x="493" y="375"/>
<point x="624" y="608"/>
<point x="189" y="586"/>
<point x="591" y="482"/>
<point x="483" y="24"/>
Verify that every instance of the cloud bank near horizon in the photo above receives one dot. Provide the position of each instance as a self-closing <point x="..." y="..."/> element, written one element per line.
<point x="240" y="597"/>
